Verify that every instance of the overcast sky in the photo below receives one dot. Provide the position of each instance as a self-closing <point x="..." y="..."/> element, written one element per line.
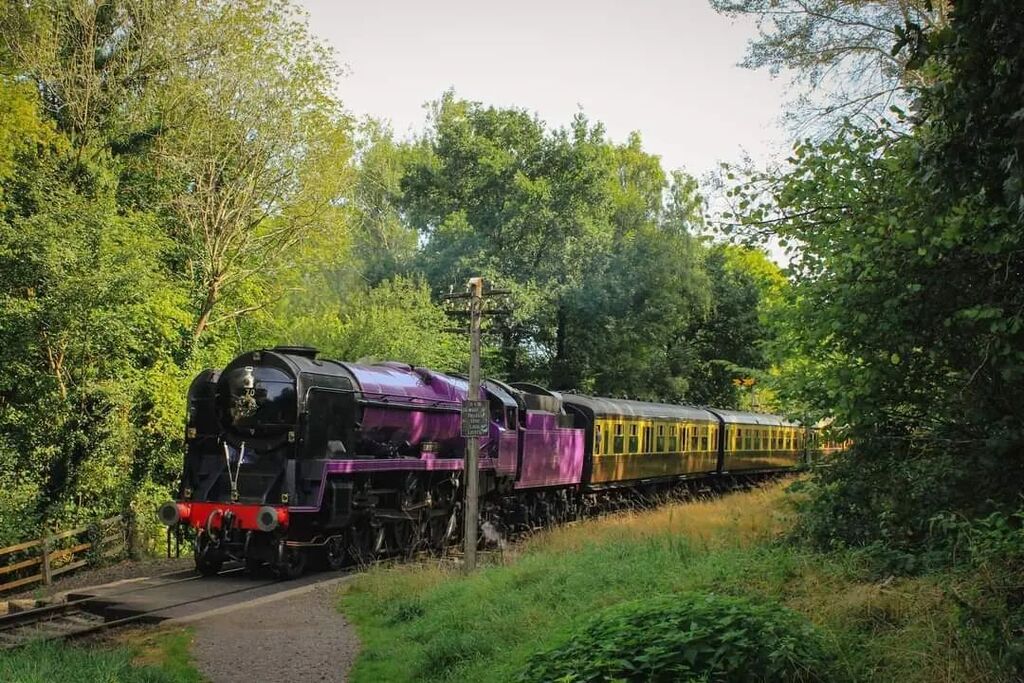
<point x="666" y="68"/>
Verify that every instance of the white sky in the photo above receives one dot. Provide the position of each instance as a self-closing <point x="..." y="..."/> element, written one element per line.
<point x="666" y="68"/>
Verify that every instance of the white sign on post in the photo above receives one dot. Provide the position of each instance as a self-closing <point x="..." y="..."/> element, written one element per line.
<point x="475" y="419"/>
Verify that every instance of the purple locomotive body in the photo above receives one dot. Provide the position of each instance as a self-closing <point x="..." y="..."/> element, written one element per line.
<point x="288" y="454"/>
<point x="420" y="408"/>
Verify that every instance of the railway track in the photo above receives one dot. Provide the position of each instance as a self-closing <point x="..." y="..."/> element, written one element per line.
<point x="84" y="616"/>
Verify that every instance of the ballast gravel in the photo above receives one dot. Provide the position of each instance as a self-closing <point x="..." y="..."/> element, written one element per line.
<point x="301" y="638"/>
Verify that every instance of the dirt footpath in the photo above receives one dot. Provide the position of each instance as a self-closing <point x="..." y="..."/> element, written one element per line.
<point x="299" y="638"/>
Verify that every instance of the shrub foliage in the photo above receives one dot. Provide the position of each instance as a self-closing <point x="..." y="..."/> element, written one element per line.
<point x="688" y="637"/>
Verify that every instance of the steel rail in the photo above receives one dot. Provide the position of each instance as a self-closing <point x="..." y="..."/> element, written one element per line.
<point x="15" y="619"/>
<point x="76" y="633"/>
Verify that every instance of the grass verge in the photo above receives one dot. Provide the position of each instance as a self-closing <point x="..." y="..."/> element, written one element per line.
<point x="136" y="657"/>
<point x="429" y="623"/>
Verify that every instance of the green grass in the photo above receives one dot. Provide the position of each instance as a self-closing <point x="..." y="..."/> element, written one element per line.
<point x="428" y="623"/>
<point x="147" y="657"/>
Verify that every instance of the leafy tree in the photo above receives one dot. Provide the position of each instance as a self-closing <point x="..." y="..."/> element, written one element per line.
<point x="384" y="244"/>
<point x="841" y="53"/>
<point x="90" y="60"/>
<point x="89" y="317"/>
<point x="258" y="147"/>
<point x="627" y="325"/>
<point x="150" y="152"/>
<point x="907" y="286"/>
<point x="494" y="195"/>
<point x="394" y="320"/>
<point x="734" y="341"/>
<point x="591" y="237"/>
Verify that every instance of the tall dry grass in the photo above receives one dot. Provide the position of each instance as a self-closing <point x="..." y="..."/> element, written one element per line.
<point x="709" y="522"/>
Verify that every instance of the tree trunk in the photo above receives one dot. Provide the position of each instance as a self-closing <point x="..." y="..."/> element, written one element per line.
<point x="560" y="373"/>
<point x="212" y="292"/>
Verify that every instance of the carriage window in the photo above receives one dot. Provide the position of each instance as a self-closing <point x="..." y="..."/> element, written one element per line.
<point x="704" y="439"/>
<point x="661" y="439"/>
<point x="634" y="440"/>
<point x="694" y="438"/>
<point x="648" y="439"/>
<point x="619" y="443"/>
<point x="597" y="439"/>
<point x="748" y="440"/>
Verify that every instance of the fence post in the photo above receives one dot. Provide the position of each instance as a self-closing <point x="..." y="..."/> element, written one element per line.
<point x="134" y="540"/>
<point x="46" y="559"/>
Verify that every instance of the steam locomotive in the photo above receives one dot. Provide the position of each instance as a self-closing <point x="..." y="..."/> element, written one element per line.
<point x="291" y="457"/>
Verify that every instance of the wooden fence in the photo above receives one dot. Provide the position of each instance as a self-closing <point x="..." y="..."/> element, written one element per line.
<point x="41" y="559"/>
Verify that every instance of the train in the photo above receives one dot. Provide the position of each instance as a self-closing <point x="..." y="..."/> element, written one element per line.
<point x="292" y="458"/>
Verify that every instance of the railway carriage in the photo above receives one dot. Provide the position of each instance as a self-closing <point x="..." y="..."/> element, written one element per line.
<point x="629" y="441"/>
<point x="291" y="457"/>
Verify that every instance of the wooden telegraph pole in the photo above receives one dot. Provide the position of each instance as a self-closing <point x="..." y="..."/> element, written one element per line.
<point x="476" y="421"/>
<point x="471" y="428"/>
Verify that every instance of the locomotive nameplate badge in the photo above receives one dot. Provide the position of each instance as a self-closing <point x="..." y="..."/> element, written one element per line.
<point x="475" y="420"/>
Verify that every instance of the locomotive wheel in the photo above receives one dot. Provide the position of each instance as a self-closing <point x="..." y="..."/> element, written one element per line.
<point x="207" y="566"/>
<point x="450" y="529"/>
<point x="208" y="559"/>
<point x="435" y="532"/>
<point x="404" y="534"/>
<point x="292" y="563"/>
<point x="359" y="543"/>
<point x="336" y="553"/>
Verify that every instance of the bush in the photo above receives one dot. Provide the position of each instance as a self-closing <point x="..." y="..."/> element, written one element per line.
<point x="886" y="497"/>
<point x="989" y="590"/>
<point x="688" y="637"/>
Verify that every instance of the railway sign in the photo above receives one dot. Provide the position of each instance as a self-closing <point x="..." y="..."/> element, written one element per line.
<point x="475" y="420"/>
